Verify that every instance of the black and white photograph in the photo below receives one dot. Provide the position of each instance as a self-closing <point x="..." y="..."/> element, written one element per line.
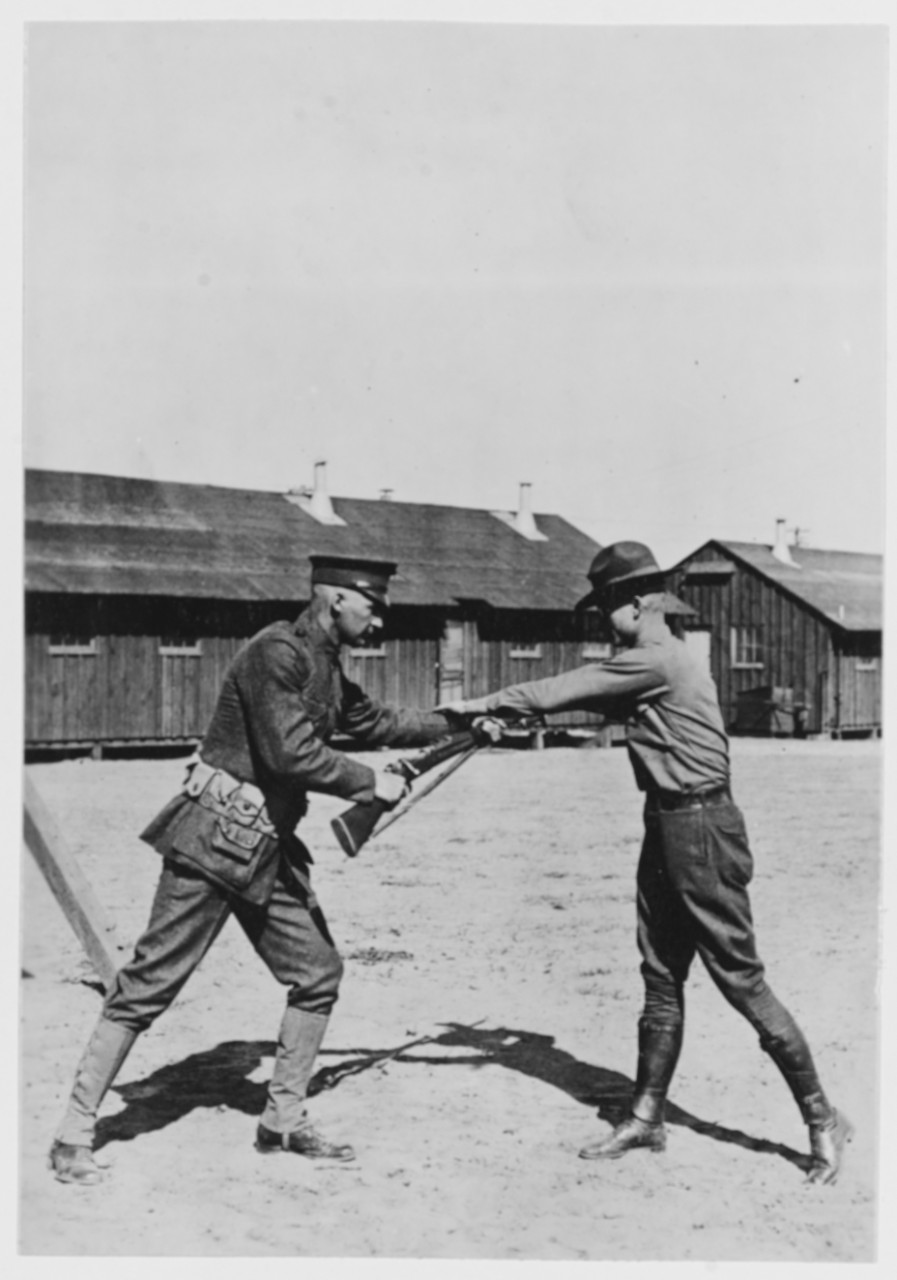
<point x="453" y="511"/>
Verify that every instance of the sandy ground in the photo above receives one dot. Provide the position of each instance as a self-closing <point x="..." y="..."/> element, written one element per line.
<point x="497" y="921"/>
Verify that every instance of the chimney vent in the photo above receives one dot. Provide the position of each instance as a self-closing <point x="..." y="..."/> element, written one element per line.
<point x="522" y="520"/>
<point x="316" y="502"/>
<point x="781" y="550"/>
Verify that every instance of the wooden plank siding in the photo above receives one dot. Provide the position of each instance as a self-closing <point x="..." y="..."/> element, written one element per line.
<point x="795" y="645"/>
<point x="136" y="687"/>
<point x="798" y="648"/>
<point x="857" y="692"/>
<point x="127" y="691"/>
<point x="405" y="674"/>
<point x="492" y="663"/>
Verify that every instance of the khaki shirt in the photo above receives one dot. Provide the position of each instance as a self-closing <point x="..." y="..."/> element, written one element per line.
<point x="667" y="700"/>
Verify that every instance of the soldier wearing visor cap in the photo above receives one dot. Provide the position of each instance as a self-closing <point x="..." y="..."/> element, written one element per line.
<point x="695" y="863"/>
<point x="229" y="847"/>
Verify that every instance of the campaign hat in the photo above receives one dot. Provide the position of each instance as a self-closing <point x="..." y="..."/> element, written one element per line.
<point x="370" y="577"/>
<point x="623" y="568"/>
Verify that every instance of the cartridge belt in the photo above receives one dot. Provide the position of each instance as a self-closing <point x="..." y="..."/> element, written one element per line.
<point x="240" y="803"/>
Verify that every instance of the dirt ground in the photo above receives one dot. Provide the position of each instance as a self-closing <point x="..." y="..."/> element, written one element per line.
<point x="496" y="921"/>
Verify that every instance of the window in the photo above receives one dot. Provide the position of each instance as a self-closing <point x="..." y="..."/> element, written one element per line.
<point x="180" y="647"/>
<point x="67" y="642"/>
<point x="526" y="651"/>
<point x="596" y="651"/>
<point x="369" y="651"/>
<point x="867" y="664"/>
<point x="747" y="647"/>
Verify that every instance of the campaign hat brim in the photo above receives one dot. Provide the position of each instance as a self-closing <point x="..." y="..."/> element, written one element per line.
<point x="672" y="604"/>
<point x="598" y="594"/>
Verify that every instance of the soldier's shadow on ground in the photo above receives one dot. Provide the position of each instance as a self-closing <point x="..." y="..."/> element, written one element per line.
<point x="220" y="1078"/>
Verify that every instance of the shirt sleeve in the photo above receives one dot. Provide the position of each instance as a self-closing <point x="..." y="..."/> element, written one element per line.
<point x="598" y="686"/>
<point x="284" y="735"/>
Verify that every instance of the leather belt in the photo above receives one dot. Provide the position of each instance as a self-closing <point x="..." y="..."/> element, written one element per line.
<point x="671" y="801"/>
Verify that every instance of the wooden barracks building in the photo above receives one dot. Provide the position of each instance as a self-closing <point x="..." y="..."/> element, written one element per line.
<point x="792" y="635"/>
<point x="138" y="594"/>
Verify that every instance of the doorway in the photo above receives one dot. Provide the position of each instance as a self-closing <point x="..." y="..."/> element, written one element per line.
<point x="451" y="663"/>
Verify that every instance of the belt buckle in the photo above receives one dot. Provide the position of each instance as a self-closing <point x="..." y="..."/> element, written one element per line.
<point x="710" y="795"/>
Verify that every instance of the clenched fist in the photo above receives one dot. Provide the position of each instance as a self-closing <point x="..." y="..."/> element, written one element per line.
<point x="390" y="787"/>
<point x="487" y="729"/>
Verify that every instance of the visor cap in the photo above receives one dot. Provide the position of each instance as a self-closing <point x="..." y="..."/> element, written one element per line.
<point x="370" y="577"/>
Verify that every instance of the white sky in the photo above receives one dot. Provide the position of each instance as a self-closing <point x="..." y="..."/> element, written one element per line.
<point x="642" y="270"/>
<point x="639" y="267"/>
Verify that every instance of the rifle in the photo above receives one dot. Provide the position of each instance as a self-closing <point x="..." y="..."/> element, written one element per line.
<point x="355" y="826"/>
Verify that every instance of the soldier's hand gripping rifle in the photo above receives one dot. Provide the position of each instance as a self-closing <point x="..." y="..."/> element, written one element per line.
<point x="355" y="826"/>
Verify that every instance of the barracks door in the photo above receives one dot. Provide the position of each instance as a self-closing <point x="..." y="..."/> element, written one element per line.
<point x="450" y="675"/>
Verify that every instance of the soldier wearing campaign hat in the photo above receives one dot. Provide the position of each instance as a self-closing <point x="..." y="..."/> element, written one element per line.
<point x="229" y="847"/>
<point x="695" y="863"/>
<point x="622" y="569"/>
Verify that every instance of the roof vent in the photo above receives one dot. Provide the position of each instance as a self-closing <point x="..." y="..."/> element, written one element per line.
<point x="316" y="502"/>
<point x="522" y="520"/>
<point x="386" y="495"/>
<point x="781" y="550"/>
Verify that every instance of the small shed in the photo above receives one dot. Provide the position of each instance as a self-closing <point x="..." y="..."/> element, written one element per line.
<point x="792" y="635"/>
<point x="139" y="592"/>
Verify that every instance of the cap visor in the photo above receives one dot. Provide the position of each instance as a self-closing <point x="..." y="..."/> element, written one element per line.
<point x="378" y="597"/>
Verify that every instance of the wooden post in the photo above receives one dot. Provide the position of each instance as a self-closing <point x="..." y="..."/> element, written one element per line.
<point x="70" y="887"/>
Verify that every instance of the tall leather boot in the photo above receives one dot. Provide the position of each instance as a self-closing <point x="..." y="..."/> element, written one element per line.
<point x="830" y="1130"/>
<point x="658" y="1052"/>
<point x="71" y="1155"/>
<point x="285" y="1125"/>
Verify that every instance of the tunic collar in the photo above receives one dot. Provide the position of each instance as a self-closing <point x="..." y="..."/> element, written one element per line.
<point x="317" y="637"/>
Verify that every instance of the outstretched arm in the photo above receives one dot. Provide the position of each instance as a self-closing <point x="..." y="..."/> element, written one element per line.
<point x="595" y="687"/>
<point x="378" y="724"/>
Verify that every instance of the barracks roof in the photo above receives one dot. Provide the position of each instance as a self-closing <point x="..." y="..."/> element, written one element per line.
<point x="93" y="534"/>
<point x="845" y="587"/>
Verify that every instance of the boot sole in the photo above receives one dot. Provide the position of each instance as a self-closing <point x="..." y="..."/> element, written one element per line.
<point x="655" y="1149"/>
<point x="304" y="1155"/>
<point x="89" y="1178"/>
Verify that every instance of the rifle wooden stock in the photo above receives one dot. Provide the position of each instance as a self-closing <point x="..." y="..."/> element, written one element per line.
<point x="355" y="826"/>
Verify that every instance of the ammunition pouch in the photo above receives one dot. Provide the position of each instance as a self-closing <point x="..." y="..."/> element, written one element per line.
<point x="242" y="820"/>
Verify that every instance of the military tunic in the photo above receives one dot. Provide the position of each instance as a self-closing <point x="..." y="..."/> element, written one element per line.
<point x="282" y="699"/>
